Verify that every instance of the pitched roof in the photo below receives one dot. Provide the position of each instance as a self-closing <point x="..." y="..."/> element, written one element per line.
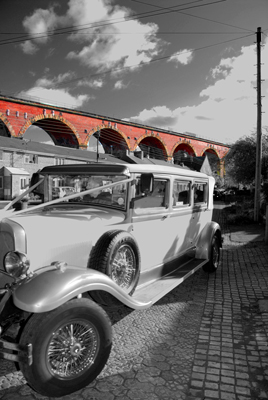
<point x="16" y="171"/>
<point x="31" y="147"/>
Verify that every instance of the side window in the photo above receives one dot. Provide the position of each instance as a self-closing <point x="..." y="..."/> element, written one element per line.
<point x="181" y="193"/>
<point x="200" y="192"/>
<point x="153" y="200"/>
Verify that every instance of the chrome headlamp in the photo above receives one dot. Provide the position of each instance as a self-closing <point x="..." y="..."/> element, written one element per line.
<point x="16" y="263"/>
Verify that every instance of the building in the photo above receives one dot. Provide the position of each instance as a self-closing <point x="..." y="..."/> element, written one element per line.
<point x="19" y="159"/>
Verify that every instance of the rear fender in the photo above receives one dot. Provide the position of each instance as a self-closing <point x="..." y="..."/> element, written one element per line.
<point x="51" y="288"/>
<point x="203" y="247"/>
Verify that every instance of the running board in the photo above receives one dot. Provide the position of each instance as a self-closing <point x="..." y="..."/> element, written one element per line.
<point x="154" y="291"/>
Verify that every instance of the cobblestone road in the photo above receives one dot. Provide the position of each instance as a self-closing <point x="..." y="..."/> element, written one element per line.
<point x="207" y="339"/>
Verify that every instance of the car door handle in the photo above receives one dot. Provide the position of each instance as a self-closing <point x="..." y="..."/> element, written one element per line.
<point x="165" y="217"/>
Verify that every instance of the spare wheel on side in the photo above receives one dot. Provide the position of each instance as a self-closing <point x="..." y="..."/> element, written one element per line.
<point x="116" y="254"/>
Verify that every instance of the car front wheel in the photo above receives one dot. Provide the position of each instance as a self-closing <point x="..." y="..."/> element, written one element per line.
<point x="71" y="345"/>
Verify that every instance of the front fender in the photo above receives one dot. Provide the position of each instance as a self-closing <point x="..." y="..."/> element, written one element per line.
<point x="203" y="246"/>
<point x="51" y="288"/>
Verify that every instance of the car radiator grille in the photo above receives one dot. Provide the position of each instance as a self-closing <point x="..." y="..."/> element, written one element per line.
<point x="6" y="244"/>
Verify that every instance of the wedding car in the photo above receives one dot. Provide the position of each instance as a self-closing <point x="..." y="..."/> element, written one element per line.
<point x="123" y="235"/>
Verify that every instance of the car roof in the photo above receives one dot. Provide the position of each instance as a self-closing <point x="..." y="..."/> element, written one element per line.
<point x="83" y="169"/>
<point x="118" y="169"/>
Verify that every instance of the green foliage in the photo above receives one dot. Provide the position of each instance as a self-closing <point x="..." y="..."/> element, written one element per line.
<point x="240" y="214"/>
<point x="240" y="162"/>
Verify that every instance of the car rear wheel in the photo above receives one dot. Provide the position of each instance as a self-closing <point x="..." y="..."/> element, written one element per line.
<point x="116" y="254"/>
<point x="71" y="345"/>
<point x="214" y="259"/>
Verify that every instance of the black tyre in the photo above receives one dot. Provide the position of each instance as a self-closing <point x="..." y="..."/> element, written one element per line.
<point x="214" y="259"/>
<point x="70" y="347"/>
<point x="116" y="254"/>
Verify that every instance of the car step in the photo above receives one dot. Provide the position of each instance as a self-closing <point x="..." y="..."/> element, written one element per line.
<point x="153" y="291"/>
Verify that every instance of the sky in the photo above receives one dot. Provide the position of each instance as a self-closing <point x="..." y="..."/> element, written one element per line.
<point x="182" y="65"/>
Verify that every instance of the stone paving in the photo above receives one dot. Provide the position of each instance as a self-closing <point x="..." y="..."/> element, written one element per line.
<point x="231" y="357"/>
<point x="205" y="340"/>
<point x="152" y="355"/>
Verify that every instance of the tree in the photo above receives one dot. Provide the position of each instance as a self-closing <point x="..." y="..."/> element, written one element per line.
<point x="240" y="162"/>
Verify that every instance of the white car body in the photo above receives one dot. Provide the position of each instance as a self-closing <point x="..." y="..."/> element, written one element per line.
<point x="166" y="233"/>
<point x="126" y="235"/>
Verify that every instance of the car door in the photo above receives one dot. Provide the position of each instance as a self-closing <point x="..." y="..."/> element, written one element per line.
<point x="150" y="222"/>
<point x="201" y="213"/>
<point x="188" y="216"/>
<point x="181" y="217"/>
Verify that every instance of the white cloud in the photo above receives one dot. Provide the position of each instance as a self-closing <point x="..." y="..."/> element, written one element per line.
<point x="101" y="44"/>
<point x="110" y="46"/>
<point x="39" y="25"/>
<point x="92" y="83"/>
<point x="40" y="22"/>
<point x="183" y="57"/>
<point x="223" y="69"/>
<point x="84" y="12"/>
<point x="227" y="110"/>
<point x="29" y="47"/>
<point x="50" y="96"/>
<point x="119" y="85"/>
<point x="46" y="82"/>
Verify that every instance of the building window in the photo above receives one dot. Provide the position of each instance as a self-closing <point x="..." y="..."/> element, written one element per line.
<point x="1" y="183"/>
<point x="24" y="183"/>
<point x="1" y="155"/>
<point x="59" y="161"/>
<point x="30" y="159"/>
<point x="26" y="158"/>
<point x="33" y="159"/>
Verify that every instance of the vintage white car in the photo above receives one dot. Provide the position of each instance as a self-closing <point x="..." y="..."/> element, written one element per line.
<point x="127" y="234"/>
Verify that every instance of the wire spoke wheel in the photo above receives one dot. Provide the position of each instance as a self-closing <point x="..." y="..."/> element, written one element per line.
<point x="124" y="266"/>
<point x="72" y="349"/>
<point x="116" y="254"/>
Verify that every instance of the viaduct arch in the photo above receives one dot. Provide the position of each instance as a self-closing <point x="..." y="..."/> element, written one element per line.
<point x="61" y="131"/>
<point x="73" y="128"/>
<point x="152" y="146"/>
<point x="112" y="139"/>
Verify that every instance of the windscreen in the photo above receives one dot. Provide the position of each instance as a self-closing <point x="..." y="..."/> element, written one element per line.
<point x="64" y="185"/>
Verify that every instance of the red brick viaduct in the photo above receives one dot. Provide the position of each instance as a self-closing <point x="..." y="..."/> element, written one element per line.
<point x="72" y="128"/>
